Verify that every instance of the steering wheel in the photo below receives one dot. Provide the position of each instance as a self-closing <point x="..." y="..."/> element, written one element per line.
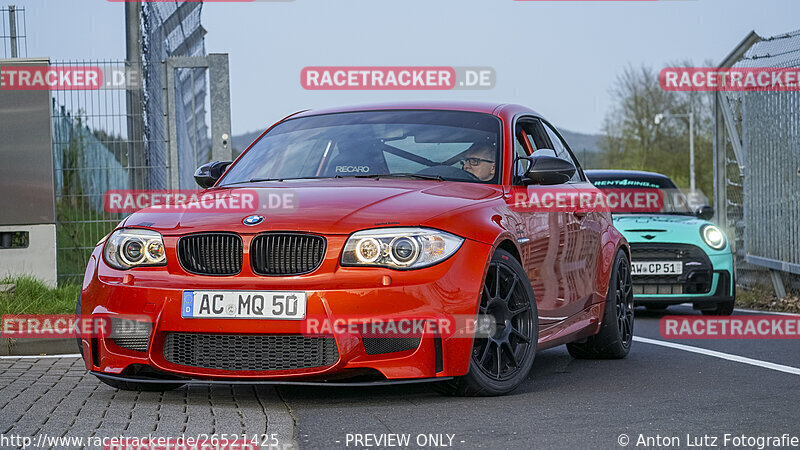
<point x="449" y="172"/>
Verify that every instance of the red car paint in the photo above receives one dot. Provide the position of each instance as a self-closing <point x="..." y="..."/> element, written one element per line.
<point x="568" y="259"/>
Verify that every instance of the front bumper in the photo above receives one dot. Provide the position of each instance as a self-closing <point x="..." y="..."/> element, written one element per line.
<point x="270" y="382"/>
<point x="719" y="288"/>
<point x="449" y="289"/>
<point x="722" y="291"/>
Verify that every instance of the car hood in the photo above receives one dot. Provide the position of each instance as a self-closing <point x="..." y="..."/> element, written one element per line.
<point x="655" y="228"/>
<point x="328" y="206"/>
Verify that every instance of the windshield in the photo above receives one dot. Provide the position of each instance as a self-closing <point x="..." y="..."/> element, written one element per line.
<point x="624" y="193"/>
<point x="446" y="145"/>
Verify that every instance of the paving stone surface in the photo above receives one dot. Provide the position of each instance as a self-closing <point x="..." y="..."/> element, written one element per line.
<point x="47" y="399"/>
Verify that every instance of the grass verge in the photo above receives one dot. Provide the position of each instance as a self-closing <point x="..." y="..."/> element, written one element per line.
<point x="31" y="296"/>
<point x="765" y="300"/>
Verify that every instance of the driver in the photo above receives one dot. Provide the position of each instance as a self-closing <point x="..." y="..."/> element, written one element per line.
<point x="479" y="160"/>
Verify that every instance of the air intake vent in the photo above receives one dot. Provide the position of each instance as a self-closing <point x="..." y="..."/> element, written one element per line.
<point x="381" y="345"/>
<point x="130" y="334"/>
<point x="249" y="352"/>
<point x="211" y="253"/>
<point x="277" y="254"/>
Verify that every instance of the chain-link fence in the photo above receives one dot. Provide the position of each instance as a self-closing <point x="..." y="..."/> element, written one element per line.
<point x="760" y="159"/>
<point x="733" y="176"/>
<point x="169" y="30"/>
<point x="13" y="32"/>
<point x="116" y="138"/>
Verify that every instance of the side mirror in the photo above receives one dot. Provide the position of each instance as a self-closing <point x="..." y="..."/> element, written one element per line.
<point x="548" y="170"/>
<point x="705" y="212"/>
<point x="206" y="175"/>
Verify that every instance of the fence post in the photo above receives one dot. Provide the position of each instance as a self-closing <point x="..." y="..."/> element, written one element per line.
<point x="720" y="168"/>
<point x="777" y="283"/>
<point x="12" y="26"/>
<point x="219" y="78"/>
<point x="137" y="159"/>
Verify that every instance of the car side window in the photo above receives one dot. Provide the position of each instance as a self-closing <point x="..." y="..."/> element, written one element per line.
<point x="562" y="151"/>
<point x="533" y="139"/>
<point x="523" y="146"/>
<point x="519" y="147"/>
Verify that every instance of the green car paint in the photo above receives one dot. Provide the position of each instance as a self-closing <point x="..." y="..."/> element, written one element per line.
<point x="676" y="229"/>
<point x="667" y="230"/>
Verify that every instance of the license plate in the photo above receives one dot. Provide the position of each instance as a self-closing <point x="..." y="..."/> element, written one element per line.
<point x="243" y="305"/>
<point x="656" y="268"/>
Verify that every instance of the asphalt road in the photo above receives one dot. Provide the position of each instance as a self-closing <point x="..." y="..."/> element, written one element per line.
<point x="661" y="396"/>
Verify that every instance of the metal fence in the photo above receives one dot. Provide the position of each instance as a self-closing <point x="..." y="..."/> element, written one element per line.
<point x="108" y="139"/>
<point x="174" y="30"/>
<point x="758" y="168"/>
<point x="90" y="156"/>
<point x="13" y="32"/>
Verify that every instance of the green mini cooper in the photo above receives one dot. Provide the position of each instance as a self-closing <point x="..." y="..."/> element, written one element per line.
<point x="678" y="256"/>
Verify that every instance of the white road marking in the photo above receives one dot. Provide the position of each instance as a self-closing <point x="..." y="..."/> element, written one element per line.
<point x="71" y="355"/>
<point x="749" y="311"/>
<point x="720" y="355"/>
<point x="753" y="311"/>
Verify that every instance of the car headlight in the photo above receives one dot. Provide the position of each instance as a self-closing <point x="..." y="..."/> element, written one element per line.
<point x="713" y="236"/>
<point x="127" y="248"/>
<point x="399" y="248"/>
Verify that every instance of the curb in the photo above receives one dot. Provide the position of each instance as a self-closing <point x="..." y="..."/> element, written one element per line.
<point x="37" y="346"/>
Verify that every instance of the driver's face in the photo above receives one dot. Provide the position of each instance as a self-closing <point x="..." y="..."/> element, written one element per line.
<point x="480" y="163"/>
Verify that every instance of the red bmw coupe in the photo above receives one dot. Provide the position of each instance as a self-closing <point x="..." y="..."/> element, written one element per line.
<point x="398" y="251"/>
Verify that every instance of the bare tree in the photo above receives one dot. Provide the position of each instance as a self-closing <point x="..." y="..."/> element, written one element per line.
<point x="633" y="140"/>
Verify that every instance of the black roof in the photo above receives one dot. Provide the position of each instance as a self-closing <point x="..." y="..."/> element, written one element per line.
<point x="614" y="174"/>
<point x="639" y="175"/>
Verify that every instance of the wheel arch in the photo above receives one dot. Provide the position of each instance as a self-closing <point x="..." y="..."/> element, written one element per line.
<point x="510" y="246"/>
<point x="503" y="241"/>
<point x="624" y="246"/>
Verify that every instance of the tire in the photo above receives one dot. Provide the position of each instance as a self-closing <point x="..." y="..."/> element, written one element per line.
<point x="722" y="309"/>
<point x="144" y="387"/>
<point x="616" y="331"/>
<point x="501" y="360"/>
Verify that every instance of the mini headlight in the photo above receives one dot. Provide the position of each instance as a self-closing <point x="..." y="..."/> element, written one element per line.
<point x="399" y="248"/>
<point x="713" y="236"/>
<point x="133" y="247"/>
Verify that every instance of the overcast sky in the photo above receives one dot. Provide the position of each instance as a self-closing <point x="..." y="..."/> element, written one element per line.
<point x="558" y="57"/>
